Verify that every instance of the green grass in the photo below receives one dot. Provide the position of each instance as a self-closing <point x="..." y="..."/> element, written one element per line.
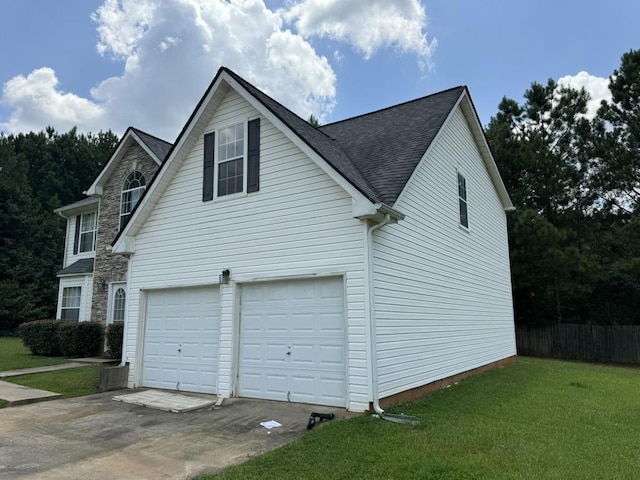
<point x="538" y="419"/>
<point x="14" y="355"/>
<point x="71" y="382"/>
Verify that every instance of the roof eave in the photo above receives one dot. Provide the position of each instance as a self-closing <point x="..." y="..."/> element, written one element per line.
<point x="74" y="209"/>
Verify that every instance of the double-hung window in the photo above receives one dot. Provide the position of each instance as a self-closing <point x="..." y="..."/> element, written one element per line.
<point x="231" y="160"/>
<point x="87" y="237"/>
<point x="462" y="201"/>
<point x="70" y="308"/>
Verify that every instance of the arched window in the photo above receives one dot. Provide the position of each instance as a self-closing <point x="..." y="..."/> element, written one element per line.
<point x="132" y="190"/>
<point x="119" y="300"/>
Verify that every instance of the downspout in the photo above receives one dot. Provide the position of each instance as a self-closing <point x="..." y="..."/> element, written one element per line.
<point x="372" y="316"/>
<point x="125" y="329"/>
<point x="380" y="413"/>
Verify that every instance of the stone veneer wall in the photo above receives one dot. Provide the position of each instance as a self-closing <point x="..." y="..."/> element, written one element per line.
<point x="108" y="267"/>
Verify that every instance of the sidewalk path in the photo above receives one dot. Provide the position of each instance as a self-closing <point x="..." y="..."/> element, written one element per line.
<point x="20" y="395"/>
<point x="48" y="368"/>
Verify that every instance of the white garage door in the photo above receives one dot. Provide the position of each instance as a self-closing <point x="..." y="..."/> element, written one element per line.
<point x="292" y="342"/>
<point x="181" y="339"/>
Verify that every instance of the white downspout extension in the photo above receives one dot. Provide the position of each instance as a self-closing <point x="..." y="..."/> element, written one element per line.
<point x="123" y="358"/>
<point x="372" y="317"/>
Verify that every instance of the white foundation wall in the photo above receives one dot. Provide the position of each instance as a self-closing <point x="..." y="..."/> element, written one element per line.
<point x="443" y="293"/>
<point x="299" y="224"/>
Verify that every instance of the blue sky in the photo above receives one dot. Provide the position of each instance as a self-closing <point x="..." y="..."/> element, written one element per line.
<point x="146" y="63"/>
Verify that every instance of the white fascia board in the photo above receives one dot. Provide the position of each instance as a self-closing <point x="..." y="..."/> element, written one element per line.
<point x="468" y="110"/>
<point x="298" y="142"/>
<point x="86" y="205"/>
<point x="125" y="244"/>
<point x="374" y="211"/>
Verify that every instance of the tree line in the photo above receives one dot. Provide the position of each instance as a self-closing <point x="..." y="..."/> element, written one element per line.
<point x="38" y="173"/>
<point x="575" y="181"/>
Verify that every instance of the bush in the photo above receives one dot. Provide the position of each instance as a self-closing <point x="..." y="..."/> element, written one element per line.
<point x="58" y="338"/>
<point x="41" y="337"/>
<point x="115" y="336"/>
<point x="81" y="339"/>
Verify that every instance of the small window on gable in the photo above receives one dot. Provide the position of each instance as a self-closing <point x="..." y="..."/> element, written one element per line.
<point x="87" y="225"/>
<point x="70" y="308"/>
<point x="132" y="189"/>
<point x="462" y="201"/>
<point x="230" y="161"/>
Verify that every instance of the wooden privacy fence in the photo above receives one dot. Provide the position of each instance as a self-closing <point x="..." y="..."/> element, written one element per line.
<point x="594" y="343"/>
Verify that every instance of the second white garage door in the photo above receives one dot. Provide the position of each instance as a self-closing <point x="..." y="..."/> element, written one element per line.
<point x="292" y="341"/>
<point x="181" y="339"/>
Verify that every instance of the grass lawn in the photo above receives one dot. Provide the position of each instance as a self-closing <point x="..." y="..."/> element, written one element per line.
<point x="538" y="419"/>
<point x="14" y="355"/>
<point x="72" y="382"/>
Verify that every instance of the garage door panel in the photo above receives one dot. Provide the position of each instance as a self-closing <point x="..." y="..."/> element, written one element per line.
<point x="330" y="322"/>
<point x="275" y="384"/>
<point x="299" y="326"/>
<point x="303" y="323"/>
<point x="181" y="339"/>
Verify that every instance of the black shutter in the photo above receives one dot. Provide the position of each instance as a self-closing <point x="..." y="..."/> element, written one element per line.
<point x="76" y="240"/>
<point x="253" y="174"/>
<point x="207" y="176"/>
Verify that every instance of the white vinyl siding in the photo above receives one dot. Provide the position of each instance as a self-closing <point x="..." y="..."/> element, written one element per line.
<point x="443" y="294"/>
<point x="298" y="225"/>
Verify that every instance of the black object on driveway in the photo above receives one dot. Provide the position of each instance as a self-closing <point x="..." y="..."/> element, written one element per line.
<point x="318" y="417"/>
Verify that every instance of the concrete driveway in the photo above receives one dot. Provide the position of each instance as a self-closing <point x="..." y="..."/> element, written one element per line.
<point x="96" y="437"/>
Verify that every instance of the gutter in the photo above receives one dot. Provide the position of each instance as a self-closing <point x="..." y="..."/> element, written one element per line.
<point x="380" y="413"/>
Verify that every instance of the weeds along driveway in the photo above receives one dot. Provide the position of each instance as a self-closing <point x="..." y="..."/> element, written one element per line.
<point x="96" y="437"/>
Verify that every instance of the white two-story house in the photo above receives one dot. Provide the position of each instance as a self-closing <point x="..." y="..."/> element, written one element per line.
<point x="354" y="264"/>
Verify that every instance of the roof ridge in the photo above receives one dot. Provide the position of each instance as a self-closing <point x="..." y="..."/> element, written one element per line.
<point x="394" y="106"/>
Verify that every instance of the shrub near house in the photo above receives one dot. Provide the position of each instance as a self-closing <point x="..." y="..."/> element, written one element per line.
<point x="55" y="338"/>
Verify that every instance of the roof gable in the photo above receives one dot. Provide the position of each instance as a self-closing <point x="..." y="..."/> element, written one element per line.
<point x="155" y="147"/>
<point x="374" y="155"/>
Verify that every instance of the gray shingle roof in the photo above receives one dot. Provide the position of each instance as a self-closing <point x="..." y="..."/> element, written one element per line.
<point x="159" y="147"/>
<point x="81" y="266"/>
<point x="387" y="145"/>
<point x="376" y="152"/>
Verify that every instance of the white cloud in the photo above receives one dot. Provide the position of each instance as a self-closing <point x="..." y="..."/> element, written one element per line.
<point x="366" y="24"/>
<point x="121" y="24"/>
<point x="170" y="51"/>
<point x="36" y="102"/>
<point x="597" y="87"/>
